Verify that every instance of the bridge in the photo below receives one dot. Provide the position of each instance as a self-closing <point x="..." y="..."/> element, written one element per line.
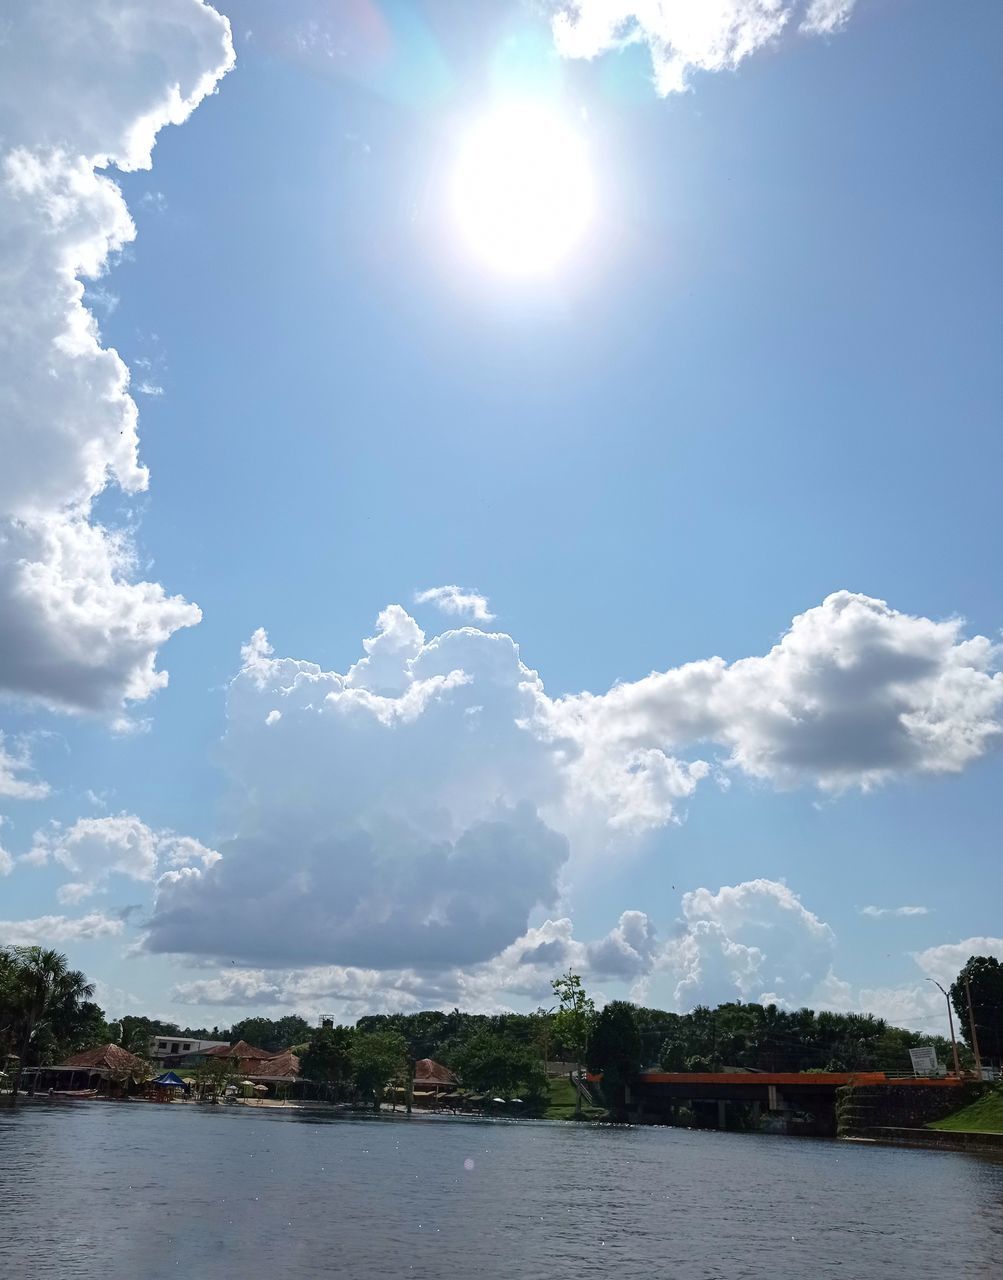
<point x="782" y="1101"/>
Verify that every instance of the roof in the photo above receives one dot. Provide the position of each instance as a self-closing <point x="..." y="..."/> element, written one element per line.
<point x="241" y="1050"/>
<point x="426" y="1071"/>
<point x="280" y="1066"/>
<point x="106" y="1057"/>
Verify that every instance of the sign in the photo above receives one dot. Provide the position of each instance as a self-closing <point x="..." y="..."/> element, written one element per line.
<point x="924" y="1062"/>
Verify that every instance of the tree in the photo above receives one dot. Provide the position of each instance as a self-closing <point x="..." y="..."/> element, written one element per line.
<point x="213" y="1075"/>
<point x="985" y="982"/>
<point x="377" y="1058"/>
<point x="615" y="1049"/>
<point x="272" y="1034"/>
<point x="37" y="990"/>
<point x="328" y="1056"/>
<point x="573" y="1020"/>
<point x="492" y="1063"/>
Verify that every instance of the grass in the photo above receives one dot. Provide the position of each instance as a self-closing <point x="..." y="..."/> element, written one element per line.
<point x="984" y="1116"/>
<point x="561" y="1105"/>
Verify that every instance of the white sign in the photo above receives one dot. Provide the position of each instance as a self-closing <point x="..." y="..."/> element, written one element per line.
<point x="924" y="1062"/>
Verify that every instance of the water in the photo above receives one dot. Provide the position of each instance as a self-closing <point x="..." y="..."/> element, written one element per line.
<point x="106" y="1191"/>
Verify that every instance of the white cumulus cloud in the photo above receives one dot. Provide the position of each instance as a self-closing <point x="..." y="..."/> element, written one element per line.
<point x="945" y="962"/>
<point x="457" y="601"/>
<point x="93" y="849"/>
<point x="85" y="87"/>
<point x="688" y="35"/>
<point x="48" y="931"/>
<point x="751" y="941"/>
<point x="853" y="695"/>
<point x="16" y="779"/>
<point x="418" y="809"/>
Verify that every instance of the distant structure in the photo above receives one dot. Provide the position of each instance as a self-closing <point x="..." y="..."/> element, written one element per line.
<point x="327" y="1022"/>
<point x="163" y="1048"/>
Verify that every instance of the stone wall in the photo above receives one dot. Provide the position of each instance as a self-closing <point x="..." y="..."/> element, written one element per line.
<point x="863" y="1108"/>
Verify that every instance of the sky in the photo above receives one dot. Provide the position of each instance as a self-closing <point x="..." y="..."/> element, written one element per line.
<point x="494" y="487"/>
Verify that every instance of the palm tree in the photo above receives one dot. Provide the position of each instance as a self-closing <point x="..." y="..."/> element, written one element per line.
<point x="36" y="986"/>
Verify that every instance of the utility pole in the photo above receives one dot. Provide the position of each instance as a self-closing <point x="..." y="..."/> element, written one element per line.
<point x="975" y="1035"/>
<point x="950" y="1022"/>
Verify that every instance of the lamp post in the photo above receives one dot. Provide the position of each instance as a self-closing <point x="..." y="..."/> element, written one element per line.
<point x="950" y="1021"/>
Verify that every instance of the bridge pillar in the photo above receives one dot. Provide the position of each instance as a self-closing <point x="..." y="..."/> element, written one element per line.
<point x="774" y="1099"/>
<point x="722" y="1115"/>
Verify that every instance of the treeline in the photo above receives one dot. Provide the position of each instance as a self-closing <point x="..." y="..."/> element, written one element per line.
<point x="47" y="1014"/>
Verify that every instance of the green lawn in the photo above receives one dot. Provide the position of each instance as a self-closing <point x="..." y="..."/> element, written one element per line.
<point x="984" y="1116"/>
<point x="562" y="1102"/>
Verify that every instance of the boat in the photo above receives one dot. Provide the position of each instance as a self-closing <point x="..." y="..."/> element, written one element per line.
<point x="69" y="1093"/>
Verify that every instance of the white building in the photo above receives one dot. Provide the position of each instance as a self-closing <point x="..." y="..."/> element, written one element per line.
<point x="173" y="1046"/>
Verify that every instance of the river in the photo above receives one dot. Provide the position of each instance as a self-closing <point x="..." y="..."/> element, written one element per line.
<point x="130" y="1191"/>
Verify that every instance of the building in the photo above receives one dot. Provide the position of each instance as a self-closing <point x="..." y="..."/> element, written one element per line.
<point x="164" y="1047"/>
<point x="258" y="1065"/>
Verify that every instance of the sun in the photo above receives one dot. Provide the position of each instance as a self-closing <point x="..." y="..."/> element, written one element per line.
<point x="523" y="191"/>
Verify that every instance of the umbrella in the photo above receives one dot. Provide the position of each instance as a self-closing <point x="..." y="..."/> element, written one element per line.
<point x="260" y="1088"/>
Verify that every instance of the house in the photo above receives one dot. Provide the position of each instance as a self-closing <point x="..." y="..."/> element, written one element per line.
<point x="260" y="1066"/>
<point x="163" y="1048"/>
<point x="108" y="1068"/>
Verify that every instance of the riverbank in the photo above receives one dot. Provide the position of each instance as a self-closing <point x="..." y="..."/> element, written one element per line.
<point x="985" y="1115"/>
<point x="935" y="1140"/>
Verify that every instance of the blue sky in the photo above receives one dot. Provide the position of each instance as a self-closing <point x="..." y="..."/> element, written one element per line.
<point x="766" y="377"/>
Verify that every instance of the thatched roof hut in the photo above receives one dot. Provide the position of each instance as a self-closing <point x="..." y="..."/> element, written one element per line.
<point x="429" y="1074"/>
<point x="259" y="1064"/>
<point x="241" y="1050"/>
<point x="109" y="1060"/>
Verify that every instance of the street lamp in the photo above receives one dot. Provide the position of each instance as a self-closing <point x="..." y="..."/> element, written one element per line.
<point x="950" y="1020"/>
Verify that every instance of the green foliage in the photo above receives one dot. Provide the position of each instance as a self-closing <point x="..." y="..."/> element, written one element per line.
<point x="768" y="1038"/>
<point x="41" y="1004"/>
<point x="983" y="1116"/>
<point x="490" y="1063"/>
<point x="271" y="1034"/>
<point x="134" y="1033"/>
<point x="563" y="1103"/>
<point x="213" y="1075"/>
<point x="615" y="1049"/>
<point x="378" y="1057"/>
<point x="985" y="981"/>
<point x="328" y="1055"/>
<point x="575" y="1015"/>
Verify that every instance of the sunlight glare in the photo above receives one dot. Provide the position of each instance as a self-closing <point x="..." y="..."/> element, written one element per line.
<point x="523" y="192"/>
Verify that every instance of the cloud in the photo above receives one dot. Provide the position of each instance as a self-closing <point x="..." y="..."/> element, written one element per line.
<point x="854" y="695"/>
<point x="824" y="17"/>
<point x="945" y="962"/>
<point x="457" y="601"/>
<point x="93" y="849"/>
<point x="49" y="931"/>
<point x="876" y="912"/>
<point x="750" y="941"/>
<point x="79" y="632"/>
<point x="689" y="35"/>
<point x="519" y="975"/>
<point x="13" y="767"/>
<point x="417" y="810"/>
